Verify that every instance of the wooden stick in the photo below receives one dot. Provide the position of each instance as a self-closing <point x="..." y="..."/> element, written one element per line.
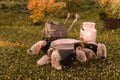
<point x="77" y="16"/>
<point x="68" y="16"/>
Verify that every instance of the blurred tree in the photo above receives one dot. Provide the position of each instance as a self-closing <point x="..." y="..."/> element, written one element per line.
<point x="12" y="4"/>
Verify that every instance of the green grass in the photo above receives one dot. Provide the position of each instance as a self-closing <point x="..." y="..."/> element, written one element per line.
<point x="17" y="34"/>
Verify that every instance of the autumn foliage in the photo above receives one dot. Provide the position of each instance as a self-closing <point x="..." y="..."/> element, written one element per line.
<point x="39" y="9"/>
<point x="110" y="1"/>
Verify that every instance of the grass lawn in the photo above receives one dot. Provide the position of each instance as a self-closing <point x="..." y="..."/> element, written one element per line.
<point x="17" y="34"/>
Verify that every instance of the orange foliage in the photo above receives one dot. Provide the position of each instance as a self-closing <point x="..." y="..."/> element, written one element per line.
<point x="52" y="1"/>
<point x="103" y="1"/>
<point x="31" y="4"/>
<point x="41" y="8"/>
<point x="114" y="1"/>
<point x="111" y="1"/>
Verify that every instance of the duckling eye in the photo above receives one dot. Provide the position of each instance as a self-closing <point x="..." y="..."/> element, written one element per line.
<point x="79" y="48"/>
<point x="91" y="47"/>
